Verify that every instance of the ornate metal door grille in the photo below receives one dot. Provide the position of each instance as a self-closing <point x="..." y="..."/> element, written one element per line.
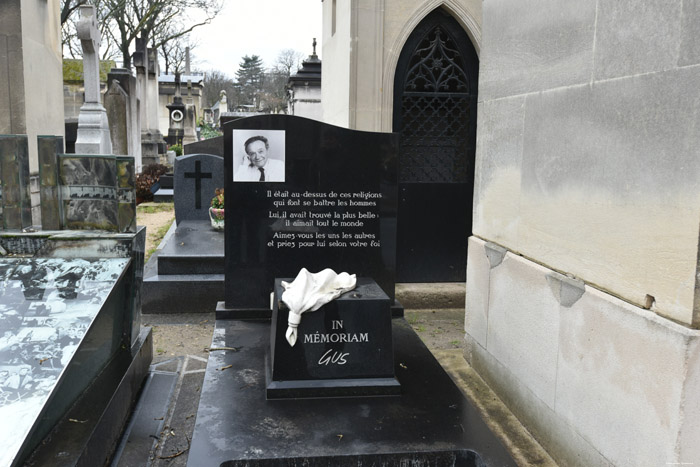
<point x="435" y="113"/>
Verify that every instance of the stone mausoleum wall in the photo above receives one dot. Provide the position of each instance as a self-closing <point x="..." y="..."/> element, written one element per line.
<point x="361" y="48"/>
<point x="31" y="95"/>
<point x="582" y="286"/>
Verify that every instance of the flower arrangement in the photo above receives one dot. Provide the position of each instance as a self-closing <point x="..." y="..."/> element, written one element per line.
<point x="217" y="202"/>
<point x="216" y="211"/>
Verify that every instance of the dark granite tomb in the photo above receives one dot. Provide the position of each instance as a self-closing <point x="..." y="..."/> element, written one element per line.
<point x="196" y="178"/>
<point x="187" y="273"/>
<point x="49" y="148"/>
<point x="336" y="208"/>
<point x="69" y="332"/>
<point x="14" y="182"/>
<point x="343" y="349"/>
<point x="430" y="424"/>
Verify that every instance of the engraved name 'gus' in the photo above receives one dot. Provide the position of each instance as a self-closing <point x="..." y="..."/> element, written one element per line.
<point x="332" y="356"/>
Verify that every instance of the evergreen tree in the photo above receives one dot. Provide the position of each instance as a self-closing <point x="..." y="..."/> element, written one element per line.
<point x="250" y="78"/>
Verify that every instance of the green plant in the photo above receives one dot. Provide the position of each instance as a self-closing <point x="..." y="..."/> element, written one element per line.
<point x="177" y="148"/>
<point x="207" y="131"/>
<point x="151" y="209"/>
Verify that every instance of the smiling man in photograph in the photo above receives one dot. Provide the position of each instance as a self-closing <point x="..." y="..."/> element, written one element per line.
<point x="258" y="166"/>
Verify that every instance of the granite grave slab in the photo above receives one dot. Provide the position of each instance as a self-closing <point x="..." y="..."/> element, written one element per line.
<point x="60" y="323"/>
<point x="430" y="423"/>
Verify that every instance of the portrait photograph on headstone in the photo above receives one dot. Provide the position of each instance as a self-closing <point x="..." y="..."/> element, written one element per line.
<point x="258" y="155"/>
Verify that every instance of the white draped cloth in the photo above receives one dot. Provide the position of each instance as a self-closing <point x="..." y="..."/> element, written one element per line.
<point x="309" y="292"/>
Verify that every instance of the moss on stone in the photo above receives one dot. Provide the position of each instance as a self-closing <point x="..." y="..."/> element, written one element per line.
<point x="73" y="69"/>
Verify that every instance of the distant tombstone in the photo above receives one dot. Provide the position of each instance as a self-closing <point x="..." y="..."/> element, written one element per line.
<point x="93" y="128"/>
<point x="213" y="145"/>
<point x="117" y="105"/>
<point x="14" y="182"/>
<point x="146" y="64"/>
<point x="336" y="208"/>
<point x="127" y="82"/>
<point x="196" y="177"/>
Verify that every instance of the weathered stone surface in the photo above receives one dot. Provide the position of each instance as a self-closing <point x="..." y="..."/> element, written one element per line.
<point x="632" y="38"/>
<point x="531" y="46"/>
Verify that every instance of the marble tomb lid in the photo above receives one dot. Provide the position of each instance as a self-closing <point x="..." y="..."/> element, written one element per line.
<point x="47" y="306"/>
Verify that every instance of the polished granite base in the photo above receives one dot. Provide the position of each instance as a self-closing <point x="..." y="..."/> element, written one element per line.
<point x="187" y="274"/>
<point x="429" y="423"/>
<point x="88" y="434"/>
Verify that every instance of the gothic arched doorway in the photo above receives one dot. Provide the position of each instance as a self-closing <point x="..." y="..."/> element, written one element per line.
<point x="435" y="90"/>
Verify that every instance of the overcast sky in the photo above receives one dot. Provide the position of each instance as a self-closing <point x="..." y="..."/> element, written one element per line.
<point x="256" y="27"/>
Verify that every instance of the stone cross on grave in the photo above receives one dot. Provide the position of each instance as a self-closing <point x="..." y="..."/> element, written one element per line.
<point x="89" y="36"/>
<point x="93" y="127"/>
<point x="198" y="175"/>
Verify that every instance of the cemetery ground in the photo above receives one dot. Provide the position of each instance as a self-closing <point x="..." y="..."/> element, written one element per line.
<point x="181" y="346"/>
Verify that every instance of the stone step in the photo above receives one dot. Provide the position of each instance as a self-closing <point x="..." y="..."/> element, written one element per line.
<point x="194" y="248"/>
<point x="427" y="296"/>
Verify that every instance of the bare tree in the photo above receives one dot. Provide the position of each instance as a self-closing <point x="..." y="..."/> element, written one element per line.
<point x="288" y="61"/>
<point x="159" y="21"/>
<point x="214" y="82"/>
<point x="68" y="7"/>
<point x="174" y="53"/>
<point x="71" y="43"/>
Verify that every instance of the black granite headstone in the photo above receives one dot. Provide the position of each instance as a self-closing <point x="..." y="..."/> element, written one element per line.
<point x="343" y="349"/>
<point x="49" y="149"/>
<point x="335" y="209"/>
<point x="14" y="182"/>
<point x="196" y="178"/>
<point x="214" y="146"/>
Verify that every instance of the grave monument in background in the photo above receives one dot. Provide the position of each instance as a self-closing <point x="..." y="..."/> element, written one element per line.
<point x="188" y="271"/>
<point x="146" y="63"/>
<point x="122" y="103"/>
<point x="93" y="127"/>
<point x="31" y="96"/>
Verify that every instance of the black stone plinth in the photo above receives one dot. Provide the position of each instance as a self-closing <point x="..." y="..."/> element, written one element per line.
<point x="430" y="423"/>
<point x="225" y="312"/>
<point x="343" y="349"/>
